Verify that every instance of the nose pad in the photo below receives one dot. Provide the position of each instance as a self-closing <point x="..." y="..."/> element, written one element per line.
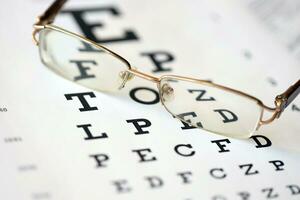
<point x="167" y="92"/>
<point x="124" y="77"/>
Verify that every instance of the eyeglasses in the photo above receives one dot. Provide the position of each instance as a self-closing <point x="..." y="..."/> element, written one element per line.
<point x="213" y="107"/>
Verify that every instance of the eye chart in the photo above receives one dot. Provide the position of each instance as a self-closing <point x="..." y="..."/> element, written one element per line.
<point x="59" y="140"/>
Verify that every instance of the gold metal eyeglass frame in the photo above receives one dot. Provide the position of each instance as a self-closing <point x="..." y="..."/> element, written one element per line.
<point x="281" y="101"/>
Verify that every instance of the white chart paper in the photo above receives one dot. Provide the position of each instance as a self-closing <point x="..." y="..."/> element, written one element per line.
<point x="248" y="45"/>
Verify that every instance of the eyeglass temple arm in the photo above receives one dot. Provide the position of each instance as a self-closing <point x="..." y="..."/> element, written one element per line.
<point x="49" y="15"/>
<point x="283" y="100"/>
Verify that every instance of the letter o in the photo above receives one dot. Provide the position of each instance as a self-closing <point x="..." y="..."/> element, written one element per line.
<point x="133" y="92"/>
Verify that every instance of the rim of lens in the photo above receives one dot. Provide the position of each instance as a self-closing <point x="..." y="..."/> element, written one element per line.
<point x="84" y="39"/>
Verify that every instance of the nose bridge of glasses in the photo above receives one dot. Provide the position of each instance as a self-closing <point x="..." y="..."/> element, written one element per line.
<point x="129" y="74"/>
<point x="143" y="75"/>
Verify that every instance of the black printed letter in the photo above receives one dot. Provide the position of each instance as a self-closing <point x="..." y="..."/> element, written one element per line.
<point x="100" y="159"/>
<point x="226" y="119"/>
<point x="295" y="189"/>
<point x="278" y="164"/>
<point x="244" y="195"/>
<point x="154" y="181"/>
<point x="121" y="186"/>
<point x="159" y="58"/>
<point x="83" y="101"/>
<point x="185" y="176"/>
<point x="248" y="169"/>
<point x="201" y="94"/>
<point x="186" y="125"/>
<point x="270" y="194"/>
<point x="139" y="124"/>
<point x="89" y="134"/>
<point x="83" y="69"/>
<point x="191" y="153"/>
<point x="268" y="142"/>
<point x="143" y="156"/>
<point x="221" y="146"/>
<point x="133" y="95"/>
<point x="214" y="173"/>
<point x="88" y="29"/>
